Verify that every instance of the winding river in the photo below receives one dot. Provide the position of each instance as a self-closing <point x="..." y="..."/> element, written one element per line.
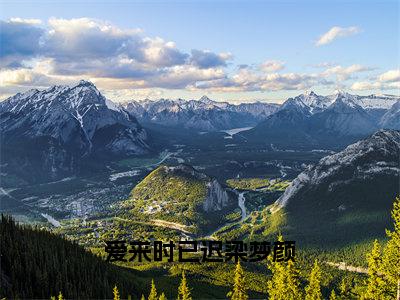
<point x="241" y="200"/>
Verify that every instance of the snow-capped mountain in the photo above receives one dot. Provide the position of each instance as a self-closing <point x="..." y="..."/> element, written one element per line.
<point x="377" y="155"/>
<point x="61" y="125"/>
<point x="314" y="102"/>
<point x="318" y="103"/>
<point x="259" y="110"/>
<point x="343" y="118"/>
<point x="209" y="115"/>
<point x="391" y="119"/>
<point x="376" y="101"/>
<point x="337" y="119"/>
<point x="202" y="114"/>
<point x="286" y="127"/>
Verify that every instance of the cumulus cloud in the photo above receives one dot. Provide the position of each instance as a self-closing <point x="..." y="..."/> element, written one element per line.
<point x="159" y="53"/>
<point x="206" y="59"/>
<point x="19" y="40"/>
<point x="183" y="76"/>
<point x="336" y="32"/>
<point x="249" y="80"/>
<point x="18" y="77"/>
<point x="385" y="81"/>
<point x="88" y="39"/>
<point x="390" y="76"/>
<point x="345" y="73"/>
<point x="272" y="66"/>
<point x="85" y="47"/>
<point x="368" y="85"/>
<point x="84" y="38"/>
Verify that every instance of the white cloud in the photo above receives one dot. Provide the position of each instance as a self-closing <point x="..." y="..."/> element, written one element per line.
<point x="336" y="32"/>
<point x="85" y="47"/>
<point x="270" y="66"/>
<point x="368" y="85"/>
<point x="248" y="80"/>
<point x="185" y="76"/>
<point x="17" y="77"/>
<point x="26" y="21"/>
<point x="207" y="59"/>
<point x="365" y="85"/>
<point x="20" y="40"/>
<point x="345" y="73"/>
<point x="390" y="76"/>
<point x="388" y="80"/>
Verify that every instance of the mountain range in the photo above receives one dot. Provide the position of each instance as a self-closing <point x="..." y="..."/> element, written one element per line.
<point x="311" y="120"/>
<point x="58" y="130"/>
<point x="203" y="114"/>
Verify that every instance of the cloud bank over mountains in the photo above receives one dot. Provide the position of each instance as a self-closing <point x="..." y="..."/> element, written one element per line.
<point x="61" y="51"/>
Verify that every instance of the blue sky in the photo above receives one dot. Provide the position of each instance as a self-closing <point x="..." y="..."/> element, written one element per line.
<point x="229" y="50"/>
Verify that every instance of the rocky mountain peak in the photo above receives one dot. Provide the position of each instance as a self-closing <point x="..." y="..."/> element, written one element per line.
<point x="205" y="99"/>
<point x="87" y="83"/>
<point x="374" y="156"/>
<point x="310" y="93"/>
<point x="314" y="102"/>
<point x="78" y="119"/>
<point x="295" y="105"/>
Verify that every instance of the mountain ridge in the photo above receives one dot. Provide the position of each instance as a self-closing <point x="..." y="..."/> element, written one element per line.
<point x="62" y="125"/>
<point x="335" y="200"/>
<point x="309" y="120"/>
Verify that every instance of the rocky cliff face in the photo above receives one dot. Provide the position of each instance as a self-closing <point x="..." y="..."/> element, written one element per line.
<point x="217" y="197"/>
<point x="391" y="119"/>
<point x="365" y="161"/>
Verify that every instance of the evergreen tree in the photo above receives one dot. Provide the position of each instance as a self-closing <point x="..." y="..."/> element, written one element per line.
<point x="153" y="291"/>
<point x="116" y="293"/>
<point x="239" y="285"/>
<point x="333" y="295"/>
<point x="284" y="283"/>
<point x="162" y="297"/>
<point x="313" y="290"/>
<point x="344" y="289"/>
<point x="391" y="256"/>
<point x="60" y="296"/>
<point x="375" y="283"/>
<point x="184" y="290"/>
<point x="292" y="278"/>
<point x="142" y="298"/>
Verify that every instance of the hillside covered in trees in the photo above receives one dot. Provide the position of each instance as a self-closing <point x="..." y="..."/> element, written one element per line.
<point x="37" y="264"/>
